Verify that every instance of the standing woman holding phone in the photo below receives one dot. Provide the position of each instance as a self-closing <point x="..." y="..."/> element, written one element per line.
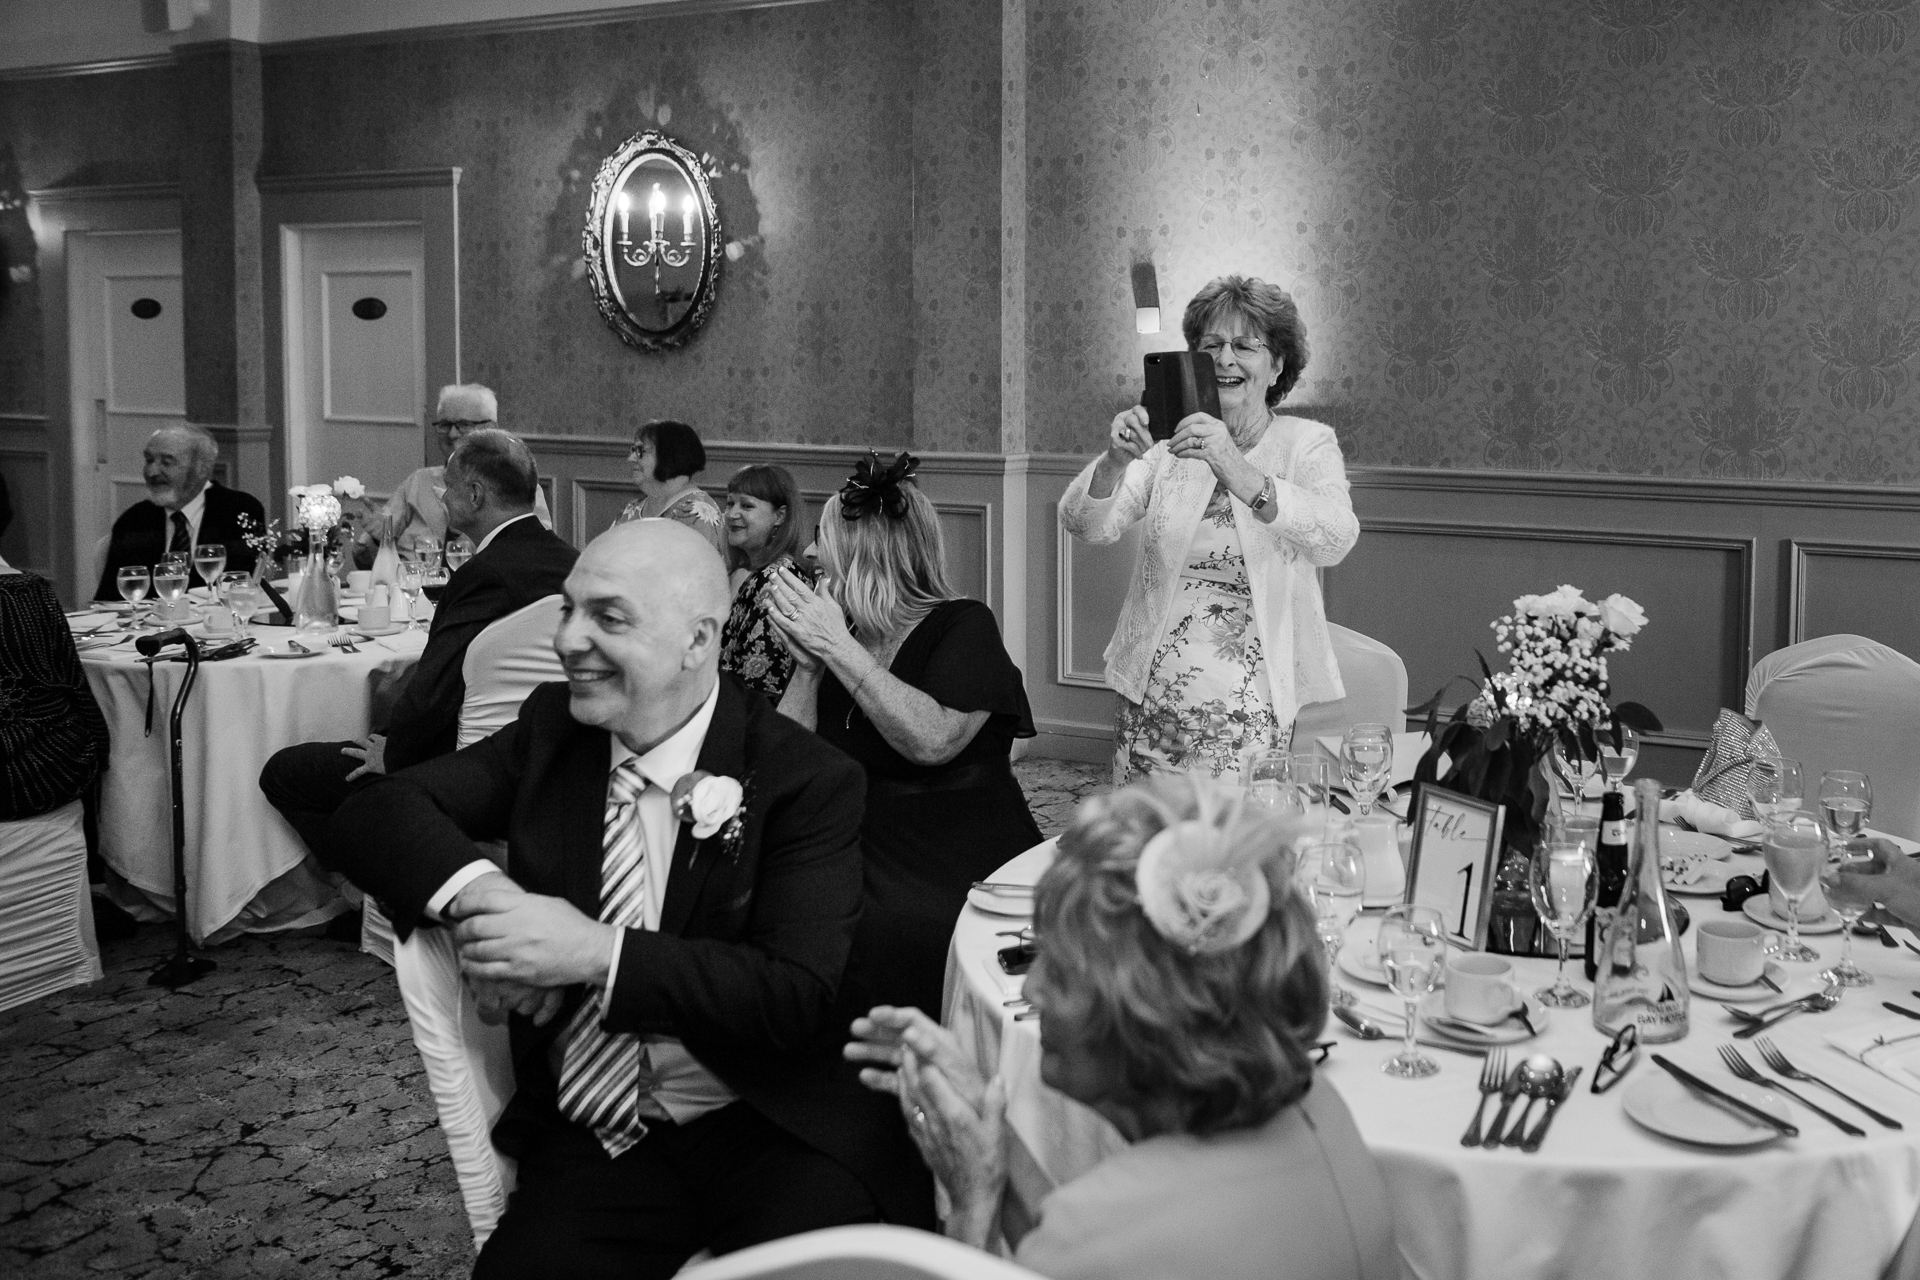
<point x="1223" y="634"/>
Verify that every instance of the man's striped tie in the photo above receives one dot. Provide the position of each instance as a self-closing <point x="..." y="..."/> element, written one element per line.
<point x="601" y="1072"/>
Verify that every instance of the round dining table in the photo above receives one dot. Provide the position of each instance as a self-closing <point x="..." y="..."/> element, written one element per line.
<point x="247" y="869"/>
<point x="1603" y="1197"/>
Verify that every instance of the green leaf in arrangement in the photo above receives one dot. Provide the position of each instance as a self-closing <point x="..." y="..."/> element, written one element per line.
<point x="1636" y="717"/>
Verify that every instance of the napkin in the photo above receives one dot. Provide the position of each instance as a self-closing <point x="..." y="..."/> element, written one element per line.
<point x="1687" y="870"/>
<point x="1890" y="1046"/>
<point x="1705" y="815"/>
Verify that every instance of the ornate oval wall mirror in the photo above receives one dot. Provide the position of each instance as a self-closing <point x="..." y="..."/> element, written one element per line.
<point x="653" y="242"/>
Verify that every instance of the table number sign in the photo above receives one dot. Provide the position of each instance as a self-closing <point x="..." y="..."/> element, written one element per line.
<point x="1450" y="864"/>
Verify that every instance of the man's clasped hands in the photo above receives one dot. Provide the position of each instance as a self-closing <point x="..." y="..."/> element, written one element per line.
<point x="520" y="951"/>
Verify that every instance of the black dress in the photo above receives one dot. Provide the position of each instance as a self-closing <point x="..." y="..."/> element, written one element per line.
<point x="53" y="739"/>
<point x="932" y="830"/>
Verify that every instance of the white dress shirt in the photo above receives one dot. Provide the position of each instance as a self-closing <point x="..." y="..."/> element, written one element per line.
<point x="685" y="1088"/>
<point x="495" y="531"/>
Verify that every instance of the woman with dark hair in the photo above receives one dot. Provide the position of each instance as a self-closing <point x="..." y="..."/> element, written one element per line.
<point x="920" y="690"/>
<point x="1180" y="991"/>
<point x="763" y="534"/>
<point x="665" y="457"/>
<point x="1223" y="634"/>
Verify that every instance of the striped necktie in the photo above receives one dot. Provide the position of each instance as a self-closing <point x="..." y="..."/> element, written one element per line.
<point x="603" y="1073"/>
<point x="182" y="539"/>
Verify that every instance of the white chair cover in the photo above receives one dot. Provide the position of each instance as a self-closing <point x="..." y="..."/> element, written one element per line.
<point x="46" y="910"/>
<point x="868" y="1252"/>
<point x="504" y="664"/>
<point x="1376" y="682"/>
<point x="1847" y="702"/>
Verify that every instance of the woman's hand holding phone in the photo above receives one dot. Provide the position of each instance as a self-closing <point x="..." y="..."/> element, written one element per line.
<point x="1129" y="437"/>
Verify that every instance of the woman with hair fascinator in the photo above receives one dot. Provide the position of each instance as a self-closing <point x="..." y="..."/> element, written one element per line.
<point x="912" y="680"/>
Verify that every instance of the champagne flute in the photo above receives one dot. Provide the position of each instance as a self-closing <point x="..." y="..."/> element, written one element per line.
<point x="1844" y="876"/>
<point x="1366" y="760"/>
<point x="413" y="577"/>
<point x="1412" y="948"/>
<point x="1617" y="762"/>
<point x="1775" y="787"/>
<point x="1563" y="883"/>
<point x="1336" y="881"/>
<point x="1794" y="849"/>
<point x="134" y="581"/>
<point x="1846" y="801"/>
<point x="209" y="560"/>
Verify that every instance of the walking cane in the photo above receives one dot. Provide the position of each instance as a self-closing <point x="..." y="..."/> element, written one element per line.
<point x="182" y="967"/>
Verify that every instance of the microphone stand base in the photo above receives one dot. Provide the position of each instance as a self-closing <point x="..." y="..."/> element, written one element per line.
<point x="178" y="970"/>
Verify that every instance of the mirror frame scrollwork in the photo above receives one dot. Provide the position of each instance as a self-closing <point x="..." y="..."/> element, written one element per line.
<point x="598" y="243"/>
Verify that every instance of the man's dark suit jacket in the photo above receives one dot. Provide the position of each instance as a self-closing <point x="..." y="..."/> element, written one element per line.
<point x="141" y="534"/>
<point x="752" y="940"/>
<point x="524" y="562"/>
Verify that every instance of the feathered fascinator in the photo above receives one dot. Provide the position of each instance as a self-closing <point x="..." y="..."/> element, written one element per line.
<point x="1202" y="883"/>
<point x="875" y="486"/>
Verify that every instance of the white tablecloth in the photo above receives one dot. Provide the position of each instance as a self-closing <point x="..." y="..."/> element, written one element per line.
<point x="1603" y="1198"/>
<point x="242" y="710"/>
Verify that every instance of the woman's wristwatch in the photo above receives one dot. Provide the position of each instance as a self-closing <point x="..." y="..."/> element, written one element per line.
<point x="1264" y="500"/>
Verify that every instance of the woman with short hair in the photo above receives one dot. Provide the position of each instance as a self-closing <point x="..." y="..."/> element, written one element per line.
<point x="1223" y="635"/>
<point x="763" y="536"/>
<point x="665" y="457"/>
<point x="920" y="690"/>
<point x="1180" y="989"/>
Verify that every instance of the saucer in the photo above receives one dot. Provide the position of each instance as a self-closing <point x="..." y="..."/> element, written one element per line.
<point x="1509" y="1030"/>
<point x="1760" y="910"/>
<point x="391" y="629"/>
<point x="1746" y="993"/>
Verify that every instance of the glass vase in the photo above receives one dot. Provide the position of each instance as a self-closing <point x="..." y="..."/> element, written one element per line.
<point x="316" y="599"/>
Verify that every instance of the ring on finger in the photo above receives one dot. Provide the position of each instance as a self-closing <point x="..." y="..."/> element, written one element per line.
<point x="920" y="1116"/>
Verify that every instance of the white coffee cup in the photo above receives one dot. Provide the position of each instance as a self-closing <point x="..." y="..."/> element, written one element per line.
<point x="1480" y="988"/>
<point x="359" y="580"/>
<point x="1732" y="953"/>
<point x="375" y="617"/>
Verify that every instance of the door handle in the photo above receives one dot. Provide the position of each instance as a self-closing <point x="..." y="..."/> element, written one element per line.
<point x="100" y="432"/>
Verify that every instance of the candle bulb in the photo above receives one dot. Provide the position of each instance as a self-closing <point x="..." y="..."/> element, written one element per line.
<point x="626" y="218"/>
<point x="656" y="209"/>
<point x="686" y="220"/>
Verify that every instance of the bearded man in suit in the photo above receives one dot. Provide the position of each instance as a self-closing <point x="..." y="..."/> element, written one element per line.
<point x="182" y="509"/>
<point x="491" y="482"/>
<point x="684" y="881"/>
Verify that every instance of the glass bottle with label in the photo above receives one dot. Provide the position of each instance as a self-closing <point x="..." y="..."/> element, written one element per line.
<point x="1642" y="973"/>
<point x="1609" y="869"/>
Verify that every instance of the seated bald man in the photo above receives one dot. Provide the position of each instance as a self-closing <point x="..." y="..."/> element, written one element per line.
<point x="183" y="507"/>
<point x="669" y="969"/>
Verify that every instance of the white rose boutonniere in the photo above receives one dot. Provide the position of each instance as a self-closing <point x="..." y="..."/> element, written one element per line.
<point x="711" y="804"/>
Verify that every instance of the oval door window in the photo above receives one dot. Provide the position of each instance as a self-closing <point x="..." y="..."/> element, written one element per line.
<point x="145" y="308"/>
<point x="369" y="308"/>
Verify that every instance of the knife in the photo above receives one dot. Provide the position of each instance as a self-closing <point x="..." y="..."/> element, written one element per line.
<point x="1905" y="1013"/>
<point x="1720" y="1095"/>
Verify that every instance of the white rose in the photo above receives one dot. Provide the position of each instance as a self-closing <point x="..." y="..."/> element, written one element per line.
<point x="298" y="491"/>
<point x="1622" y="616"/>
<point x="348" y="487"/>
<point x="712" y="803"/>
<point x="1567" y="602"/>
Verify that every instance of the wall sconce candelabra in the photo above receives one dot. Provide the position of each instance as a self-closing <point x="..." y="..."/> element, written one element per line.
<point x="656" y="251"/>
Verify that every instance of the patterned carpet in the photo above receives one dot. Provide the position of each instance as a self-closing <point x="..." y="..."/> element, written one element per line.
<point x="269" y="1120"/>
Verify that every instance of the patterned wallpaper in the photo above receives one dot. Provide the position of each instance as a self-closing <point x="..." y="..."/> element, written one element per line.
<point x="1651" y="237"/>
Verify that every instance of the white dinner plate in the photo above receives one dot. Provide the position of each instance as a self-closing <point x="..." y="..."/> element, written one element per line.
<point x="1747" y="993"/>
<point x="1660" y="1104"/>
<point x="1759" y="909"/>
<point x="278" y="649"/>
<point x="391" y="629"/>
<point x="87" y="624"/>
<point x="1675" y="843"/>
<point x="1023" y="870"/>
<point x="1362" y="964"/>
<point x="1712" y="881"/>
<point x="1510" y="1031"/>
<point x="109" y="606"/>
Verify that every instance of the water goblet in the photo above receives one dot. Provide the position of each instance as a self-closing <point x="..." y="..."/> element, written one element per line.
<point x="1561" y="875"/>
<point x="209" y="560"/>
<point x="1844" y="878"/>
<point x="1335" y="877"/>
<point x="1794" y="849"/>
<point x="413" y="578"/>
<point x="1413" y="946"/>
<point x="1775" y="786"/>
<point x="170" y="578"/>
<point x="1846" y="801"/>
<point x="459" y="551"/>
<point x="1366" y="761"/>
<point x="1616" y="761"/>
<point x="134" y="581"/>
<point x="245" y="599"/>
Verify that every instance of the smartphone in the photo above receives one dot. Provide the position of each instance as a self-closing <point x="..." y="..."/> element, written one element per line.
<point x="1178" y="384"/>
<point x="1016" y="960"/>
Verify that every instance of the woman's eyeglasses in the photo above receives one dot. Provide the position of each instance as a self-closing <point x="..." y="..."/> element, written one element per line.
<point x="1245" y="348"/>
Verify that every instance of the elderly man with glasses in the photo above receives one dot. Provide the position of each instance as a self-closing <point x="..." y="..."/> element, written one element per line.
<point x="416" y="509"/>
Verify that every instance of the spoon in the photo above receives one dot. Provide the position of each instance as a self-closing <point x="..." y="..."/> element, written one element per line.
<point x="1820" y="1002"/>
<point x="1540" y="1077"/>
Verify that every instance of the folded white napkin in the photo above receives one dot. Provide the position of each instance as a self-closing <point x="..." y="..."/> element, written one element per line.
<point x="1890" y="1046"/>
<point x="1705" y="815"/>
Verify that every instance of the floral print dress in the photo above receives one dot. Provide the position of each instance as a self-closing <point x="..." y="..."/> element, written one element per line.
<point x="750" y="648"/>
<point x="1207" y="700"/>
<point x="694" y="508"/>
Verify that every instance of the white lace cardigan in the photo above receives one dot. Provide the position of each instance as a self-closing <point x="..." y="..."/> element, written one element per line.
<point x="1314" y="526"/>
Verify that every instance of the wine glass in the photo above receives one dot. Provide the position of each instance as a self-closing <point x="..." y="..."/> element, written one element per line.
<point x="245" y="598"/>
<point x="1775" y="786"/>
<point x="1795" y="847"/>
<point x="1574" y="773"/>
<point x="1844" y="878"/>
<point x="134" y="581"/>
<point x="209" y="559"/>
<point x="459" y="551"/>
<point x="1563" y="883"/>
<point x="1335" y="877"/>
<point x="1617" y="762"/>
<point x="170" y="579"/>
<point x="413" y="578"/>
<point x="1366" y="760"/>
<point x="1846" y="801"/>
<point x="1413" y="946"/>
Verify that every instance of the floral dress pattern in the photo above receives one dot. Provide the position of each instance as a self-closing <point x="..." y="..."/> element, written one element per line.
<point x="1207" y="700"/>
<point x="750" y="648"/>
<point x="694" y="508"/>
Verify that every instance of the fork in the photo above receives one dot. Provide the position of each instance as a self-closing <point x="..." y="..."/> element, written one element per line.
<point x="1509" y="1091"/>
<point x="1778" y="1061"/>
<point x="1493" y="1075"/>
<point x="1740" y="1067"/>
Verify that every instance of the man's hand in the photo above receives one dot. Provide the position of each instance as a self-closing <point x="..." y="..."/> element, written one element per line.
<point x="1894" y="881"/>
<point x="371" y="751"/>
<point x="528" y="938"/>
<point x="495" y="1000"/>
<point x="495" y="887"/>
